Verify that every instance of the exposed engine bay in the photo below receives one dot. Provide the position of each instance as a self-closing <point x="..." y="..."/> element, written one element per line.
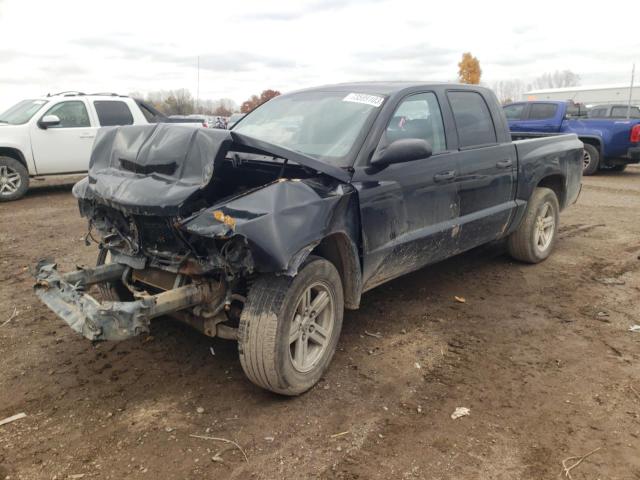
<point x="183" y="219"/>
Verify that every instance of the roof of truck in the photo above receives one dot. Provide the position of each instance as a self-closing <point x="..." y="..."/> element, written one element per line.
<point x="385" y="87"/>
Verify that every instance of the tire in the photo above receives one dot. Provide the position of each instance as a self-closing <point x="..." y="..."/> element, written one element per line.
<point x="618" y="168"/>
<point x="591" y="159"/>
<point x="113" y="291"/>
<point x="527" y="243"/>
<point x="14" y="179"/>
<point x="273" y="329"/>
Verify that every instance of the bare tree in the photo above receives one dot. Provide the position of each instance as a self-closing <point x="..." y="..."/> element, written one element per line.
<point x="557" y="79"/>
<point x="181" y="102"/>
<point x="509" y="91"/>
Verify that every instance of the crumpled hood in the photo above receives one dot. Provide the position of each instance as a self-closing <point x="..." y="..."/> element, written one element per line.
<point x="155" y="169"/>
<point x="151" y="167"/>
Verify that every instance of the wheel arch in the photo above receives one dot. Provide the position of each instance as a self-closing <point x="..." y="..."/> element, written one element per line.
<point x="15" y="154"/>
<point x="596" y="142"/>
<point x="340" y="250"/>
<point x="557" y="183"/>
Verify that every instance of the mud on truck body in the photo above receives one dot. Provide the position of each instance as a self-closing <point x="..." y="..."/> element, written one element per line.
<point x="265" y="233"/>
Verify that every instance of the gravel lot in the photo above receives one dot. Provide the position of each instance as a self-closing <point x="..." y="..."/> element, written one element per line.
<point x="541" y="355"/>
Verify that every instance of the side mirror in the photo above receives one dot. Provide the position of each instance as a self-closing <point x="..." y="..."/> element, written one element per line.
<point x="49" y="121"/>
<point x="403" y="150"/>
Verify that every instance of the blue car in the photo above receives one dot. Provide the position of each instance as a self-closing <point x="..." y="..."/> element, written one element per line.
<point x="609" y="143"/>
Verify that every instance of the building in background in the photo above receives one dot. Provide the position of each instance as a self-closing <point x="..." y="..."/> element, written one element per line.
<point x="593" y="95"/>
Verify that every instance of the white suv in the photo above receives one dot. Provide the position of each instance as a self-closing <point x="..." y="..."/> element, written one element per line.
<point x="53" y="135"/>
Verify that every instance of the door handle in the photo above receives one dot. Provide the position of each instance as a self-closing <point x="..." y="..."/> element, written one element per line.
<point x="444" y="176"/>
<point x="87" y="135"/>
<point x="504" y="163"/>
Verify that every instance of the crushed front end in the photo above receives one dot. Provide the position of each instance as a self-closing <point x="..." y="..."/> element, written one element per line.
<point x="184" y="218"/>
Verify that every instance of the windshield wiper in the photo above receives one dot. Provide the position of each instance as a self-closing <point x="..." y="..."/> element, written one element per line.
<point x="3" y="121"/>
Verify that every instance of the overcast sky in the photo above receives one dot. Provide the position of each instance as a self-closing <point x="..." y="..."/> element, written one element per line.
<point x="247" y="46"/>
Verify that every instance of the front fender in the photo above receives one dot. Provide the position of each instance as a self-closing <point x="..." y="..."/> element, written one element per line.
<point x="12" y="138"/>
<point x="282" y="222"/>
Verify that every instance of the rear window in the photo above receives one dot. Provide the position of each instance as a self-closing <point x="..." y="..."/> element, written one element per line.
<point x="473" y="120"/>
<point x="514" y="112"/>
<point x="539" y="111"/>
<point x="111" y="113"/>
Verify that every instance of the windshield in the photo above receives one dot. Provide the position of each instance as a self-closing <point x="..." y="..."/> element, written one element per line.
<point x="323" y="125"/>
<point x="21" y="112"/>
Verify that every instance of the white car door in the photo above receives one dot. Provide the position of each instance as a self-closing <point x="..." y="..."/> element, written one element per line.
<point x="64" y="148"/>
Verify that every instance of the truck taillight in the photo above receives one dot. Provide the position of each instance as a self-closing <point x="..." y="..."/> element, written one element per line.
<point x="635" y="134"/>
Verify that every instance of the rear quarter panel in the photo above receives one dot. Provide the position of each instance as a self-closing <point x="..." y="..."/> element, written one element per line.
<point x="539" y="158"/>
<point x="614" y="133"/>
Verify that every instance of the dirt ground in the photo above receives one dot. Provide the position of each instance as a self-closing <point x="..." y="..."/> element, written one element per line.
<point x="541" y="355"/>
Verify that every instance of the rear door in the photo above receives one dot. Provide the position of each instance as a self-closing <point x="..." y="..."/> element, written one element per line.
<point x="486" y="169"/>
<point x="541" y="117"/>
<point x="409" y="210"/>
<point x="64" y="148"/>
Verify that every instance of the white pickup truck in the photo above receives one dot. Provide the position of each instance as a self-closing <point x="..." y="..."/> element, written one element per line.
<point x="53" y="135"/>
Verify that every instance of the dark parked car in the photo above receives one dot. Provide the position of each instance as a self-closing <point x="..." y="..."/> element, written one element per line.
<point x="265" y="233"/>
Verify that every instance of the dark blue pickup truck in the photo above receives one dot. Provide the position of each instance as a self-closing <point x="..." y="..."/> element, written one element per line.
<point x="609" y="143"/>
<point x="265" y="233"/>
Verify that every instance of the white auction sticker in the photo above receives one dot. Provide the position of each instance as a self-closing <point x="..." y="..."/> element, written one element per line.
<point x="373" y="100"/>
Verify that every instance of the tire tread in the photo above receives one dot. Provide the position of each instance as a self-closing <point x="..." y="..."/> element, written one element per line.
<point x="519" y="243"/>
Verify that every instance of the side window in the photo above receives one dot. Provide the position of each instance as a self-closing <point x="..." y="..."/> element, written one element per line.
<point x="112" y="113"/>
<point x="540" y="111"/>
<point x="597" y="112"/>
<point x="515" y="111"/>
<point x="418" y="116"/>
<point x="72" y="114"/>
<point x="621" y="112"/>
<point x="473" y="120"/>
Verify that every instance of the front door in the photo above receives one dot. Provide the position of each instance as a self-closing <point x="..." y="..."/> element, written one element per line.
<point x="409" y="210"/>
<point x="516" y="114"/>
<point x="64" y="148"/>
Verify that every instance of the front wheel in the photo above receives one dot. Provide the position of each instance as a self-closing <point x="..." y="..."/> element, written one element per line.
<point x="289" y="328"/>
<point x="536" y="236"/>
<point x="14" y="179"/>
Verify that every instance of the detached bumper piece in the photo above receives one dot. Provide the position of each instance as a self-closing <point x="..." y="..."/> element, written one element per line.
<point x="66" y="295"/>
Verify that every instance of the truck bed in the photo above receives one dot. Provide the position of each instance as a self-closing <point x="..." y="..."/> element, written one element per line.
<point x="540" y="153"/>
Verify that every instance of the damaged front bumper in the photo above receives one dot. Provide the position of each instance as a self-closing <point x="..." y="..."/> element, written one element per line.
<point x="66" y="295"/>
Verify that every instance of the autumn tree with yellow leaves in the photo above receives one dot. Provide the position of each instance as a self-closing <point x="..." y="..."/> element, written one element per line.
<point x="469" y="69"/>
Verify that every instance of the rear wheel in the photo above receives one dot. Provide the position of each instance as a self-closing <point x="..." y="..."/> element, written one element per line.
<point x="590" y="159"/>
<point x="535" y="238"/>
<point x="289" y="328"/>
<point x="14" y="179"/>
